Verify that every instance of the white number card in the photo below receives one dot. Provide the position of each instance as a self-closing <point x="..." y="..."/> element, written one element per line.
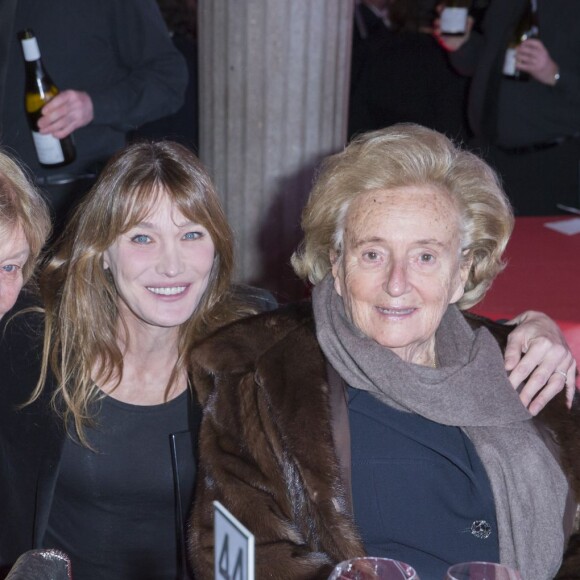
<point x="233" y="547"/>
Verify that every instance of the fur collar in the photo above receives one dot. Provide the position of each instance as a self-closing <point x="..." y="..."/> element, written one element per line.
<point x="228" y="350"/>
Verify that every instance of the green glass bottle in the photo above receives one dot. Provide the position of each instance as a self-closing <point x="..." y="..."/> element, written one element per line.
<point x="39" y="89"/>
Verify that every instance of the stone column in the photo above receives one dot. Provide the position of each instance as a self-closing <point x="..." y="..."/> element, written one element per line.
<point x="274" y="78"/>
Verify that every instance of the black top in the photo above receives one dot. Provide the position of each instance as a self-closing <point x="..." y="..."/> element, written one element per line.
<point x="32" y="437"/>
<point x="406" y="78"/>
<point x="114" y="508"/>
<point x="421" y="495"/>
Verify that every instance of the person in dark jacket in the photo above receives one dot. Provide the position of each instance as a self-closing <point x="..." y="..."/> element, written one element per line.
<point x="116" y="69"/>
<point x="401" y="74"/>
<point x="380" y="418"/>
<point x="529" y="131"/>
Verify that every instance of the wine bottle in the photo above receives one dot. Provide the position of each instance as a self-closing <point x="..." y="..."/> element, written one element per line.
<point x="39" y="89"/>
<point x="527" y="27"/>
<point x="454" y="17"/>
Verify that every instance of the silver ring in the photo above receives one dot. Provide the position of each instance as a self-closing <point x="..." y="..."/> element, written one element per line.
<point x="561" y="373"/>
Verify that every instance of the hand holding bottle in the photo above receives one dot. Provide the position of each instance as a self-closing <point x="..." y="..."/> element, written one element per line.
<point x="533" y="58"/>
<point x="39" y="90"/>
<point x="450" y="42"/>
<point x="65" y="113"/>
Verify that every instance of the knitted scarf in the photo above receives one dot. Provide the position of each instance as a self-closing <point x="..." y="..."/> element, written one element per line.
<point x="470" y="389"/>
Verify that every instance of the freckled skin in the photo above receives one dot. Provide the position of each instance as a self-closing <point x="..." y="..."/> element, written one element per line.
<point x="401" y="267"/>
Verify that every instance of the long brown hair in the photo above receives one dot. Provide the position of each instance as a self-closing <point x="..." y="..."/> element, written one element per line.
<point x="82" y="318"/>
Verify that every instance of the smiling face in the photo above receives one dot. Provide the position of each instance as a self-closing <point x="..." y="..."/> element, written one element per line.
<point x="161" y="268"/>
<point x="14" y="251"/>
<point x="401" y="267"/>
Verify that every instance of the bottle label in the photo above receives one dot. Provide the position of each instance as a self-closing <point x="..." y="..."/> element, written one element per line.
<point x="48" y="149"/>
<point x="30" y="49"/>
<point x="509" y="63"/>
<point x="454" y="20"/>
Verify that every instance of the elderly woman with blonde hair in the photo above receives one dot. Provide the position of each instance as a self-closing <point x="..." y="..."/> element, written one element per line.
<point x="24" y="229"/>
<point x="380" y="418"/>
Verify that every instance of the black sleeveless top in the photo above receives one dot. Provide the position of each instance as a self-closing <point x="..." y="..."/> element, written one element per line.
<point x="115" y="509"/>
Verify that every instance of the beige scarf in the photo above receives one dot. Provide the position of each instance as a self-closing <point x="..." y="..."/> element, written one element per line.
<point x="470" y="390"/>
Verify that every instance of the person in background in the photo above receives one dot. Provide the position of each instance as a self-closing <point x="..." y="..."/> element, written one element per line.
<point x="380" y="419"/>
<point x="404" y="75"/>
<point x="101" y="454"/>
<point x="24" y="229"/>
<point x="183" y="125"/>
<point x="371" y="20"/>
<point x="529" y="131"/>
<point x="116" y="68"/>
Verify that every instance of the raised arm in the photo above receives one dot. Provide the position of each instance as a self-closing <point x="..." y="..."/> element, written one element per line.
<point x="537" y="352"/>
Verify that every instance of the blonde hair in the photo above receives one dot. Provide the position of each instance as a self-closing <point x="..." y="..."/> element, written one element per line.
<point x="80" y="296"/>
<point x="22" y="205"/>
<point x="399" y="156"/>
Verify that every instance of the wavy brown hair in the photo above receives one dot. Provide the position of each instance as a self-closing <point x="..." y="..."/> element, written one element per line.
<point x="399" y="156"/>
<point x="82" y="316"/>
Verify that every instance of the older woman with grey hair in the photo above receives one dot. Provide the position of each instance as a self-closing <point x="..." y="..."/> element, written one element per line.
<point x="380" y="419"/>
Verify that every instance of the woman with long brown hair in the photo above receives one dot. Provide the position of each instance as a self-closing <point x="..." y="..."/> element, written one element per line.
<point x="108" y="435"/>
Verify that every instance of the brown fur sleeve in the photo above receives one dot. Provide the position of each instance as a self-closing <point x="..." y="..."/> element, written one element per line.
<point x="241" y="461"/>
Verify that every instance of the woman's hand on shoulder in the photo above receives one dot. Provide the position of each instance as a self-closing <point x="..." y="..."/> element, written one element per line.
<point x="538" y="353"/>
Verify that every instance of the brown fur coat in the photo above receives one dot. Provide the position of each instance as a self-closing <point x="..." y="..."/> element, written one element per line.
<point x="267" y="453"/>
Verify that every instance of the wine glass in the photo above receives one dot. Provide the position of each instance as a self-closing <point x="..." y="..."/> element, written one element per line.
<point x="373" y="568"/>
<point x="481" y="571"/>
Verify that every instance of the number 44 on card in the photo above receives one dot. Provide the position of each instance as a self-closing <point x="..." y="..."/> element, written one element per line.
<point x="233" y="547"/>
